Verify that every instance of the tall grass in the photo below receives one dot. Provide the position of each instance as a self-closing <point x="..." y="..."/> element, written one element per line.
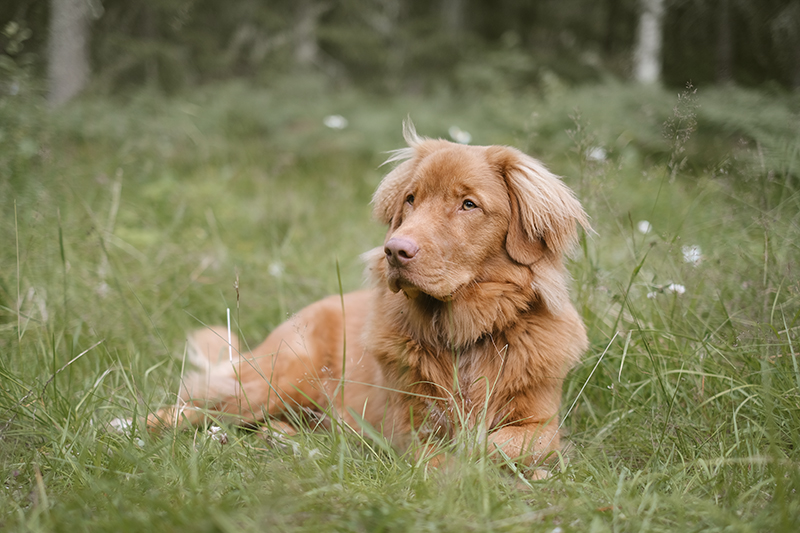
<point x="127" y="222"/>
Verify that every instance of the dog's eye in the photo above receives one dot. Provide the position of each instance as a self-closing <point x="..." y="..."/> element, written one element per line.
<point x="468" y="204"/>
<point x="410" y="199"/>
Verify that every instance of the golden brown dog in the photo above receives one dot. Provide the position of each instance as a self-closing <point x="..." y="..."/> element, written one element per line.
<point x="468" y="324"/>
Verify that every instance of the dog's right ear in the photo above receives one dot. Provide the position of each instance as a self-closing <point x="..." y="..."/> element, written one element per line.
<point x="386" y="202"/>
<point x="544" y="219"/>
<point x="544" y="211"/>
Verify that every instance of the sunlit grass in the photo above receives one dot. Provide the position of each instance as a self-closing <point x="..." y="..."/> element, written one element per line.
<point x="127" y="223"/>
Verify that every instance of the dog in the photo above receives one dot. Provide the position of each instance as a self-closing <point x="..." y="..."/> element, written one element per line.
<point x="467" y="326"/>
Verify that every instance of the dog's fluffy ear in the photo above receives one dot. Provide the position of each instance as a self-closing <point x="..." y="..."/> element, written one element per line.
<point x="386" y="199"/>
<point x="544" y="211"/>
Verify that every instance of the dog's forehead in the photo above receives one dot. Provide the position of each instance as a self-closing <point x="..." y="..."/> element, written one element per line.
<point x="458" y="170"/>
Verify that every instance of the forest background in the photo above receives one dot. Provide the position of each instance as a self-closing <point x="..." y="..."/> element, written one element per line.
<point x="162" y="162"/>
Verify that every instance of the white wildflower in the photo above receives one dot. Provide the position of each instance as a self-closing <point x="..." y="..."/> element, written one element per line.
<point x="37" y="297"/>
<point x="103" y="289"/>
<point x="335" y="122"/>
<point x="216" y="433"/>
<point x="676" y="288"/>
<point x="314" y="453"/>
<point x="596" y="153"/>
<point x="459" y="135"/>
<point x="124" y="426"/>
<point x="121" y="425"/>
<point x="692" y="254"/>
<point x="644" y="227"/>
<point x="276" y="269"/>
<point x="652" y="294"/>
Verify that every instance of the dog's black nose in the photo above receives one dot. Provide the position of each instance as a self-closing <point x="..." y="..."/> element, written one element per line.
<point x="399" y="251"/>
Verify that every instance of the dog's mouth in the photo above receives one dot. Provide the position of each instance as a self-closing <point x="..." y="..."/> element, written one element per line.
<point x="398" y="282"/>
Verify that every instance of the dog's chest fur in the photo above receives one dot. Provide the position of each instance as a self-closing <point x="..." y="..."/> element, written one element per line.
<point x="449" y="361"/>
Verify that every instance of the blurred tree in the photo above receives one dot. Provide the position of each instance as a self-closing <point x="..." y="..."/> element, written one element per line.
<point x="785" y="28"/>
<point x="647" y="54"/>
<point x="383" y="17"/>
<point x="68" y="57"/>
<point x="306" y="50"/>
<point x="453" y="16"/>
<point x="406" y="44"/>
<point x="724" y="57"/>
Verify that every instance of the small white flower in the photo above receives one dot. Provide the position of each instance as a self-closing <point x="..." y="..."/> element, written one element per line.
<point x="644" y="227"/>
<point x="276" y="269"/>
<point x="121" y="425"/>
<point x="652" y="294"/>
<point x="459" y="135"/>
<point x="216" y="433"/>
<point x="692" y="254"/>
<point x="335" y="122"/>
<point x="314" y="453"/>
<point x="124" y="426"/>
<point x="103" y="289"/>
<point x="38" y="297"/>
<point x="676" y="288"/>
<point x="596" y="153"/>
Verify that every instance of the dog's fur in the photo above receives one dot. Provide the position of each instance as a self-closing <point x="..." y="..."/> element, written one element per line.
<point x="468" y="324"/>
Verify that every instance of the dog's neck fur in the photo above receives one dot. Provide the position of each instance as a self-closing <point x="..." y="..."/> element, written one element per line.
<point x="475" y="310"/>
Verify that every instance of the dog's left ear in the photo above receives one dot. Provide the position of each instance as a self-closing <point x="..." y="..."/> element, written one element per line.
<point x="544" y="211"/>
<point x="387" y="198"/>
<point x="386" y="201"/>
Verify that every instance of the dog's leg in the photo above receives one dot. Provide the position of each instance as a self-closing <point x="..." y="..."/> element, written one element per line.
<point x="531" y="435"/>
<point x="298" y="367"/>
<point x="289" y="370"/>
<point x="207" y="351"/>
<point x="528" y="444"/>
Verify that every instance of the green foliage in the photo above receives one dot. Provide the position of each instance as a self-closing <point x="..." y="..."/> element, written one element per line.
<point x="411" y="45"/>
<point x="133" y="218"/>
<point x="21" y="112"/>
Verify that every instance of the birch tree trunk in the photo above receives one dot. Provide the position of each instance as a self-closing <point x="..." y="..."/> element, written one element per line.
<point x="453" y="16"/>
<point x="724" y="43"/>
<point x="306" y="49"/>
<point x="784" y="27"/>
<point x="647" y="54"/>
<point x="68" y="50"/>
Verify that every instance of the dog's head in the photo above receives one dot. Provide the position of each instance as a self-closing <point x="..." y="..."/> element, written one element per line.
<point x="460" y="214"/>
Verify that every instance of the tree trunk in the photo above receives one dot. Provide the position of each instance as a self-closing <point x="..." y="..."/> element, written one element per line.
<point x="68" y="65"/>
<point x="453" y="16"/>
<point x="612" y="16"/>
<point x="724" y="43"/>
<point x="796" y="67"/>
<point x="647" y="55"/>
<point x="306" y="49"/>
<point x="794" y="43"/>
<point x="152" y="75"/>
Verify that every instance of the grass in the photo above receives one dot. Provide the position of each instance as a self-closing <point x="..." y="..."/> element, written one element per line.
<point x="126" y="222"/>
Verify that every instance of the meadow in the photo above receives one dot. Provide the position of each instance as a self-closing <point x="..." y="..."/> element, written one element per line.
<point x="128" y="221"/>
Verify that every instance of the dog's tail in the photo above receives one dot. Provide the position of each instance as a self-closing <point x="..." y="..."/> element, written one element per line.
<point x="208" y="381"/>
<point x="212" y="357"/>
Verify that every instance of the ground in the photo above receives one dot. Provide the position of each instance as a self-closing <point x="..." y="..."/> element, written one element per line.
<point x="128" y="221"/>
